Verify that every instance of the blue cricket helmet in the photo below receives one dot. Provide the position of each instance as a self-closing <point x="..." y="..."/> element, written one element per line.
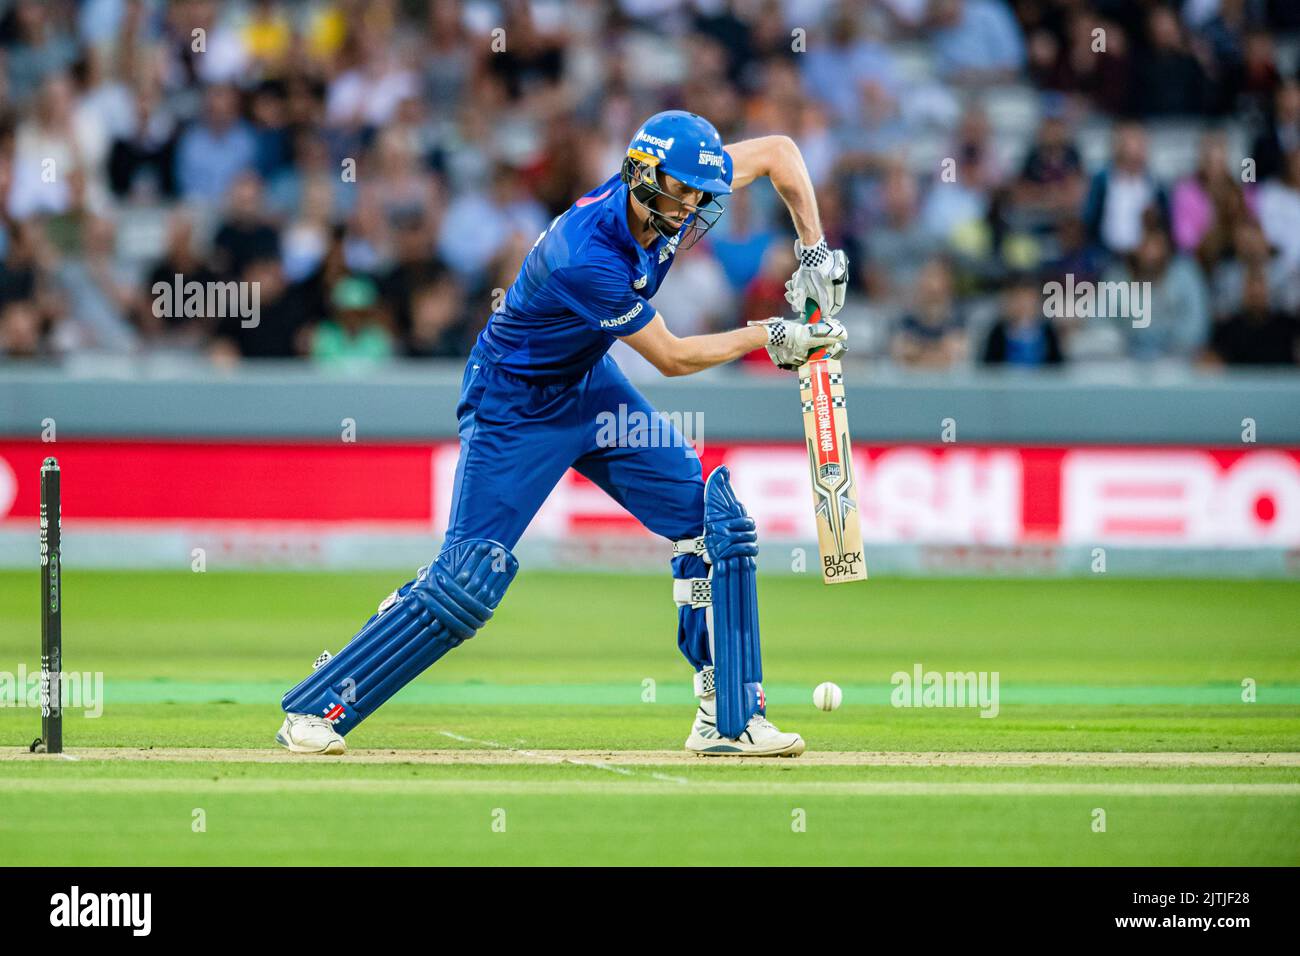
<point x="686" y="147"/>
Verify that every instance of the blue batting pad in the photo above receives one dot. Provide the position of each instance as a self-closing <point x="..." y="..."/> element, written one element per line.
<point x="732" y="543"/>
<point x="443" y="607"/>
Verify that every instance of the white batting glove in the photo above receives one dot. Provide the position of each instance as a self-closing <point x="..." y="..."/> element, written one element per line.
<point x="823" y="276"/>
<point x="789" y="343"/>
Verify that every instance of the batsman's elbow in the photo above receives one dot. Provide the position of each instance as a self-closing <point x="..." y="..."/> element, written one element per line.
<point x="673" y="367"/>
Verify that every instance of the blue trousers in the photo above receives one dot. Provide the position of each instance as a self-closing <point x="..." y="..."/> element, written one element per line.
<point x="518" y="438"/>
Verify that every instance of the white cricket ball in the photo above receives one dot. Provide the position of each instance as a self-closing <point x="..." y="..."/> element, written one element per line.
<point x="827" y="696"/>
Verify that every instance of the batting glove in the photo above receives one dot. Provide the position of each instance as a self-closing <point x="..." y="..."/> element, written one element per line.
<point x="790" y="343"/>
<point x="823" y="276"/>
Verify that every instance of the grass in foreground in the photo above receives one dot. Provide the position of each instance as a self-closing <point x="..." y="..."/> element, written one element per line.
<point x="199" y="660"/>
<point x="318" y="813"/>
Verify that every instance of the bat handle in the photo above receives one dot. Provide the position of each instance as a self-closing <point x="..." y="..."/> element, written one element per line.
<point x="812" y="313"/>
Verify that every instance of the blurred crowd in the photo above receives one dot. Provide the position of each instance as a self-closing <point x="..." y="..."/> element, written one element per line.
<point x="379" y="168"/>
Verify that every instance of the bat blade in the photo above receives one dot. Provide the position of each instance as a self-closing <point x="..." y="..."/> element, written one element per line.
<point x="830" y="466"/>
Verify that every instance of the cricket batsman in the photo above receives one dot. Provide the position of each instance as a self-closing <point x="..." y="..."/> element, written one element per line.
<point x="535" y="384"/>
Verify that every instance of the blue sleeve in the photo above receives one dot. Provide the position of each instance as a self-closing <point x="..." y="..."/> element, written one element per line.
<point x="602" y="295"/>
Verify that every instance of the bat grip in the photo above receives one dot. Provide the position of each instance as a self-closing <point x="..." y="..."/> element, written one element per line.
<point x="812" y="313"/>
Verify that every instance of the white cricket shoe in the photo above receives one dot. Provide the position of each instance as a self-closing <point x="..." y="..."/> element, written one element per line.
<point x="759" y="738"/>
<point x="309" y="734"/>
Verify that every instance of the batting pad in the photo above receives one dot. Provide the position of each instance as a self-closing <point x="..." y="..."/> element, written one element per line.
<point x="442" y="608"/>
<point x="731" y="540"/>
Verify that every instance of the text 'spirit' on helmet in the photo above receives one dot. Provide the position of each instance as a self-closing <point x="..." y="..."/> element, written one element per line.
<point x="686" y="147"/>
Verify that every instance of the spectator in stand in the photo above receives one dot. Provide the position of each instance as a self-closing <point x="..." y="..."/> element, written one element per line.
<point x="835" y="69"/>
<point x="404" y="187"/>
<point x="1168" y="80"/>
<point x="1279" y="210"/>
<point x="280" y="329"/>
<point x="365" y="93"/>
<point x="438" y="320"/>
<point x="414" y="270"/>
<point x="1120" y="196"/>
<point x="1260" y="77"/>
<point x="355" y="337"/>
<point x="1281" y="132"/>
<point x="20" y="330"/>
<point x="477" y="226"/>
<point x="17" y="270"/>
<point x="305" y="240"/>
<point x="1022" y="336"/>
<point x="741" y="240"/>
<point x="1076" y="256"/>
<point x="100" y="293"/>
<point x="267" y="38"/>
<point x="180" y="258"/>
<point x="954" y="211"/>
<point x="215" y="151"/>
<point x="42" y="49"/>
<point x="764" y="297"/>
<point x="1258" y="334"/>
<point x="501" y="271"/>
<point x="1177" y="306"/>
<point x="932" y="335"/>
<point x="1103" y="74"/>
<point x="1222" y="33"/>
<point x="465" y="151"/>
<point x="976" y="41"/>
<point x="880" y="131"/>
<point x="448" y="62"/>
<point x="1248" y="253"/>
<point x="1051" y="184"/>
<point x="58" y="156"/>
<point x="1046" y="59"/>
<point x="100" y="92"/>
<point x="974" y="149"/>
<point x="897" y="243"/>
<point x="245" y="235"/>
<point x="143" y="157"/>
<point x="532" y="63"/>
<point x="1207" y="204"/>
<point x="269" y="109"/>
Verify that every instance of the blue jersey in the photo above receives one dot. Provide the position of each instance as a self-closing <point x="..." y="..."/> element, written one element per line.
<point x="585" y="282"/>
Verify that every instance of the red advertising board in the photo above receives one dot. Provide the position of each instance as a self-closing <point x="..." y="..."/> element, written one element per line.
<point x="994" y="495"/>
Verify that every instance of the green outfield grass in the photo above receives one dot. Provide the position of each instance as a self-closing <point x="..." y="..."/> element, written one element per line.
<point x="590" y="662"/>
<point x="336" y="815"/>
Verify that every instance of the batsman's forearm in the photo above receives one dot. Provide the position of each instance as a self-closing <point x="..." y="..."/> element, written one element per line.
<point x="792" y="183"/>
<point x="695" y="353"/>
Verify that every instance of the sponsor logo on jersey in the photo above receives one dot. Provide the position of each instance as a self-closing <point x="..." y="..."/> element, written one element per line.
<point x="623" y="319"/>
<point x="669" y="247"/>
<point x="640" y="283"/>
<point x="710" y="159"/>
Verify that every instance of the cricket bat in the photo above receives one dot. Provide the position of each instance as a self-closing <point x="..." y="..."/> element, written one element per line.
<point x="830" y="464"/>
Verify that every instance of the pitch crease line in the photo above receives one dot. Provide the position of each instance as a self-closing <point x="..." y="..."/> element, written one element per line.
<point x="597" y="764"/>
